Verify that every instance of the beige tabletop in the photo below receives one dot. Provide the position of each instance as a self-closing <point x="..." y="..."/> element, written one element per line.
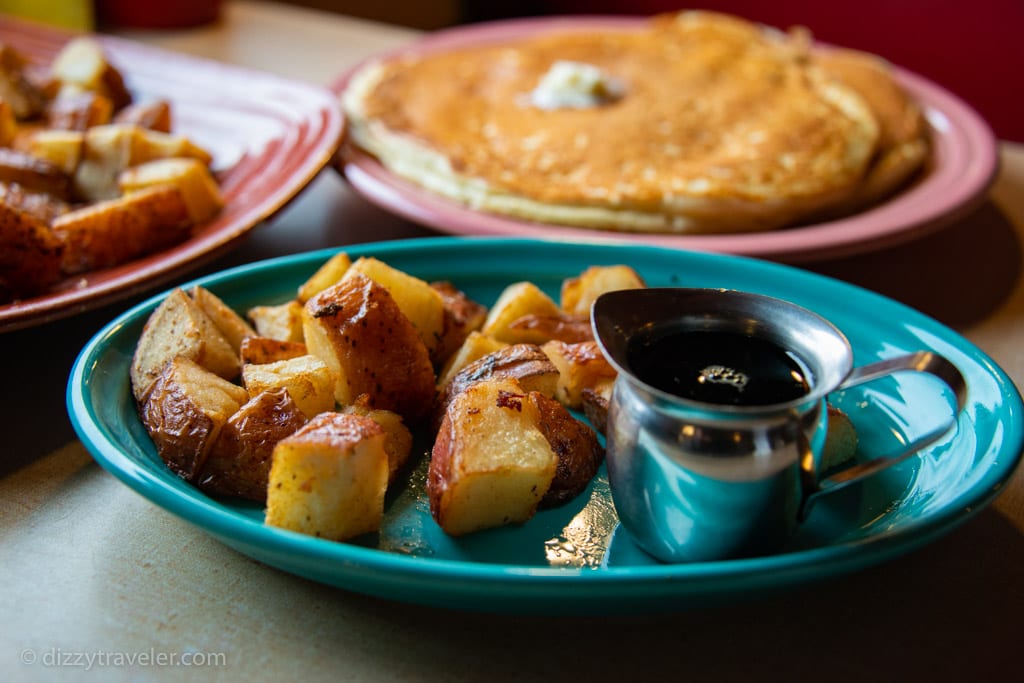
<point x="93" y="576"/>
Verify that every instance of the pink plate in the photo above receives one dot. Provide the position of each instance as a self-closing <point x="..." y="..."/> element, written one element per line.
<point x="269" y="137"/>
<point x="962" y="168"/>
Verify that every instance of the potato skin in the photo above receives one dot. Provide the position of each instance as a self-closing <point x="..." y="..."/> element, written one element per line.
<point x="490" y="465"/>
<point x="184" y="412"/>
<point x="526" y="363"/>
<point x="328" y="479"/>
<point x="239" y="462"/>
<point x="31" y="255"/>
<point x="579" y="452"/>
<point x="266" y="350"/>
<point x="178" y="327"/>
<point x="462" y="315"/>
<point x="111" y="232"/>
<point x="356" y="327"/>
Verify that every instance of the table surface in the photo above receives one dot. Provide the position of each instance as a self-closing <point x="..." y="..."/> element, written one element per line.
<point x="90" y="567"/>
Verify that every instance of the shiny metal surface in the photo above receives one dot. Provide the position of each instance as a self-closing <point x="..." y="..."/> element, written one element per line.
<point x="695" y="481"/>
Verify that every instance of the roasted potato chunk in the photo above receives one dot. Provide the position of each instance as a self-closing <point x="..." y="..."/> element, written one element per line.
<point x="579" y="293"/>
<point x="307" y="379"/>
<point x="282" y="322"/>
<point x="579" y="366"/>
<point x="108" y="150"/>
<point x="328" y="479"/>
<point x="44" y="207"/>
<point x="561" y="326"/>
<point x="184" y="412"/>
<point x="840" y="441"/>
<point x="112" y="232"/>
<point x="475" y="346"/>
<point x="8" y="124"/>
<point x="60" y="148"/>
<point x="239" y="461"/>
<point x="198" y="187"/>
<point x="79" y="111"/>
<point x="326" y="275"/>
<point x="416" y="299"/>
<point x="155" y="115"/>
<point x="579" y="452"/>
<point x="595" y="405"/>
<point x="30" y="257"/>
<point x="33" y="173"/>
<point x="398" y="438"/>
<point x="231" y="325"/>
<point x="491" y="464"/>
<point x="178" y="327"/>
<point x="265" y="350"/>
<point x="515" y="302"/>
<point x="82" y="65"/>
<point x="357" y="328"/>
<point x="462" y="317"/>
<point x="526" y="363"/>
<point x="16" y="89"/>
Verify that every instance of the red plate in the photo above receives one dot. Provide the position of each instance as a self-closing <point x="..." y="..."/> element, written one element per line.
<point x="269" y="137"/>
<point x="962" y="168"/>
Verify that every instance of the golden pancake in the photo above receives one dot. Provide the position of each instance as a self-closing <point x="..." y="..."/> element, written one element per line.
<point x="695" y="122"/>
<point x="903" y="143"/>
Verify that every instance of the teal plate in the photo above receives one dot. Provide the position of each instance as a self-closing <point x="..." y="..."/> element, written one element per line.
<point x="574" y="559"/>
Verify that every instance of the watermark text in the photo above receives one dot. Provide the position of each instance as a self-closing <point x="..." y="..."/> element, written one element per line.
<point x="55" y="657"/>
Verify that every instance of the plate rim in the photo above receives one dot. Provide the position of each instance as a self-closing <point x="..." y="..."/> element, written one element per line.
<point x="522" y="586"/>
<point x="319" y="112"/>
<point x="956" y="185"/>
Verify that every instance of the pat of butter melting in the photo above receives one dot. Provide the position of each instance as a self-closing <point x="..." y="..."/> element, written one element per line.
<point x="575" y="85"/>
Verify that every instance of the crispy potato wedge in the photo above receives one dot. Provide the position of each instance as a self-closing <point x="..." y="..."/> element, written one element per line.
<point x="328" y="479"/>
<point x="231" y="325"/>
<point x="184" y="411"/>
<point x="265" y="350"/>
<point x="580" y="366"/>
<point x="357" y="328"/>
<point x="475" y="346"/>
<point x="119" y="230"/>
<point x="238" y="464"/>
<point x="579" y="293"/>
<point x="416" y="299"/>
<point x="179" y="328"/>
<point x="462" y="316"/>
<point x="491" y="464"/>
<point x="282" y="322"/>
<point x="515" y="302"/>
<point x="326" y="275"/>
<point x="198" y="187"/>
<point x="31" y="254"/>
<point x="307" y="379"/>
<point x="398" y="438"/>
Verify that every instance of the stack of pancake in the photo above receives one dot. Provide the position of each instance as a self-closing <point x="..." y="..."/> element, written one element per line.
<point x="695" y="122"/>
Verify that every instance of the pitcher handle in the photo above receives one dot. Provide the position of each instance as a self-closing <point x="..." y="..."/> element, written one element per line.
<point x="921" y="361"/>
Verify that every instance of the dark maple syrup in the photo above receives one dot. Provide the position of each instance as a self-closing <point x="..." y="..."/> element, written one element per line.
<point x="721" y="367"/>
